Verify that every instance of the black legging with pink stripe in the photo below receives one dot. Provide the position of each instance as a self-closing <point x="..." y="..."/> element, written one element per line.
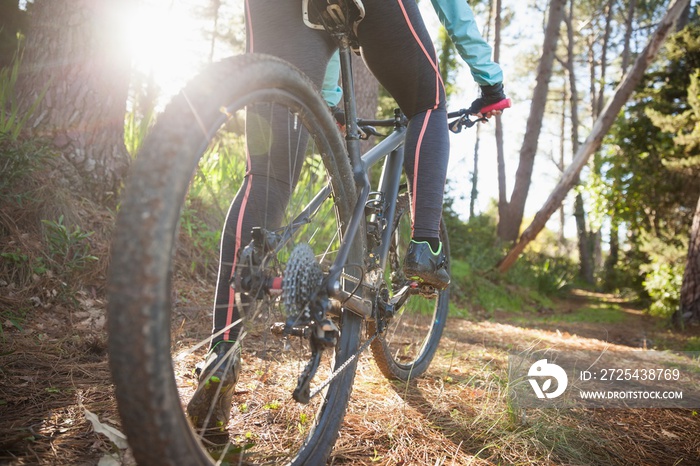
<point x="398" y="50"/>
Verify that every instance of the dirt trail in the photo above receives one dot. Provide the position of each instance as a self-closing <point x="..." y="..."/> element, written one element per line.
<point x="55" y="368"/>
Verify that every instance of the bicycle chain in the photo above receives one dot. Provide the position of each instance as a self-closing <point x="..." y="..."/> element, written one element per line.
<point x="302" y="277"/>
<point x="343" y="366"/>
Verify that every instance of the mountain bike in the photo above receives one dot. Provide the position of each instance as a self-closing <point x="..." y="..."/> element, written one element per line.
<point x="317" y="287"/>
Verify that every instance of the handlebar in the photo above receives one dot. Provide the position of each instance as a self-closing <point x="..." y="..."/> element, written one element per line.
<point x="460" y="119"/>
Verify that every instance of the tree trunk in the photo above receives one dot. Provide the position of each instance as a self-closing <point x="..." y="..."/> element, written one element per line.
<point x="600" y="128"/>
<point x="585" y="249"/>
<point x="475" y="175"/>
<point x="689" y="311"/>
<point x="561" y="164"/>
<point x="595" y="238"/>
<point x="73" y="51"/>
<point x="511" y="214"/>
<point x="500" y="152"/>
<point x="628" y="35"/>
<point x="683" y="19"/>
<point x="592" y="82"/>
<point x="610" y="281"/>
<point x="604" y="56"/>
<point x="366" y="95"/>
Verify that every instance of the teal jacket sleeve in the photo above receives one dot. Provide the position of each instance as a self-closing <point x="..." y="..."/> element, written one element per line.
<point x="458" y="19"/>
<point x="331" y="92"/>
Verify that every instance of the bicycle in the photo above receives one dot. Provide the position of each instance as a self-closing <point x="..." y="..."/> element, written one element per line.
<point x="306" y="285"/>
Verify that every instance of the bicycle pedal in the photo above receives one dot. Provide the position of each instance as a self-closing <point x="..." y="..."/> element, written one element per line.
<point x="425" y="290"/>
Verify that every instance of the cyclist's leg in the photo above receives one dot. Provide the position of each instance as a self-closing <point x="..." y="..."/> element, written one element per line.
<point x="271" y="173"/>
<point x="399" y="51"/>
<point x="274" y="28"/>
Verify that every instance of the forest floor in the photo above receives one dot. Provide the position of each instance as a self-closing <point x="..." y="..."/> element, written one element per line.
<point x="54" y="378"/>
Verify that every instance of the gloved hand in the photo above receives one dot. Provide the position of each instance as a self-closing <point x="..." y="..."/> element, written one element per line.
<point x="490" y="96"/>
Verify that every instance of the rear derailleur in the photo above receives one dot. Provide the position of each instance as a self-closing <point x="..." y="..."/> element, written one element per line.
<point x="304" y="299"/>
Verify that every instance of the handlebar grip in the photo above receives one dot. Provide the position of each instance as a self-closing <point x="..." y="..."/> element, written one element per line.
<point x="502" y="105"/>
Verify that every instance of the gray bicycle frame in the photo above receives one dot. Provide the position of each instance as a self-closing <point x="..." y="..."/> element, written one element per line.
<point x="390" y="149"/>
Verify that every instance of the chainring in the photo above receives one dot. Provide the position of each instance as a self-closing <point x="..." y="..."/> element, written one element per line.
<point x="302" y="280"/>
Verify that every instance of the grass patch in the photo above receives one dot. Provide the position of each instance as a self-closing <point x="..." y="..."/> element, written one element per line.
<point x="529" y="286"/>
<point x="692" y="344"/>
<point x="595" y="314"/>
<point x="460" y="413"/>
<point x="470" y="287"/>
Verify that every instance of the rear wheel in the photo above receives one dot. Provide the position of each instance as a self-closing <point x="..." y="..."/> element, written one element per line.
<point x="163" y="276"/>
<point x="404" y="351"/>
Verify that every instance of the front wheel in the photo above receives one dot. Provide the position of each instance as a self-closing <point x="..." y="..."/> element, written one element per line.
<point x="249" y="123"/>
<point x="407" y="347"/>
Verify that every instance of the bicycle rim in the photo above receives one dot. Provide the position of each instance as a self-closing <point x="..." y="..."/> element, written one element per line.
<point x="407" y="347"/>
<point x="163" y="278"/>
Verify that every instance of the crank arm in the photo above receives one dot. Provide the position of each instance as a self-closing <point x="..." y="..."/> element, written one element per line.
<point x="402" y="296"/>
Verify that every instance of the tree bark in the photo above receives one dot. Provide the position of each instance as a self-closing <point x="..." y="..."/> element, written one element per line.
<point x="610" y="281"/>
<point x="511" y="214"/>
<point x="366" y="95"/>
<point x="74" y="53"/>
<point x="594" y="140"/>
<point x="500" y="152"/>
<point x="628" y="35"/>
<point x="585" y="246"/>
<point x="689" y="311"/>
<point x="683" y="19"/>
<point x="475" y="175"/>
<point x="562" y="164"/>
<point x="590" y="247"/>
<point x="604" y="56"/>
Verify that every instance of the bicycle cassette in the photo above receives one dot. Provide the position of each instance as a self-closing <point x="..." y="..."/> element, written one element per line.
<point x="302" y="280"/>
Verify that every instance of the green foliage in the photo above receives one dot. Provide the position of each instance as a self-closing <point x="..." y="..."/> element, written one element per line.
<point x="135" y="130"/>
<point x="692" y="344"/>
<point x="663" y="274"/>
<point x="548" y="275"/>
<point x="141" y="114"/>
<point x="685" y="125"/>
<point x="650" y="179"/>
<point x="386" y="104"/>
<point x="475" y="250"/>
<point x="220" y="172"/>
<point x="18" y="158"/>
<point x="448" y="62"/>
<point x="476" y="241"/>
<point x="69" y="248"/>
<point x="596" y="314"/>
<point x="650" y="172"/>
<point x="12" y="23"/>
<point x="20" y="269"/>
<point x="15" y="317"/>
<point x="204" y="238"/>
<point x="12" y="118"/>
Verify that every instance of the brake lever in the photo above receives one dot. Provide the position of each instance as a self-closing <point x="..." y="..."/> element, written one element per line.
<point x="464" y="121"/>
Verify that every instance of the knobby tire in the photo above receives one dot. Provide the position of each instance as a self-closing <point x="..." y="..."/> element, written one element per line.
<point x="144" y="252"/>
